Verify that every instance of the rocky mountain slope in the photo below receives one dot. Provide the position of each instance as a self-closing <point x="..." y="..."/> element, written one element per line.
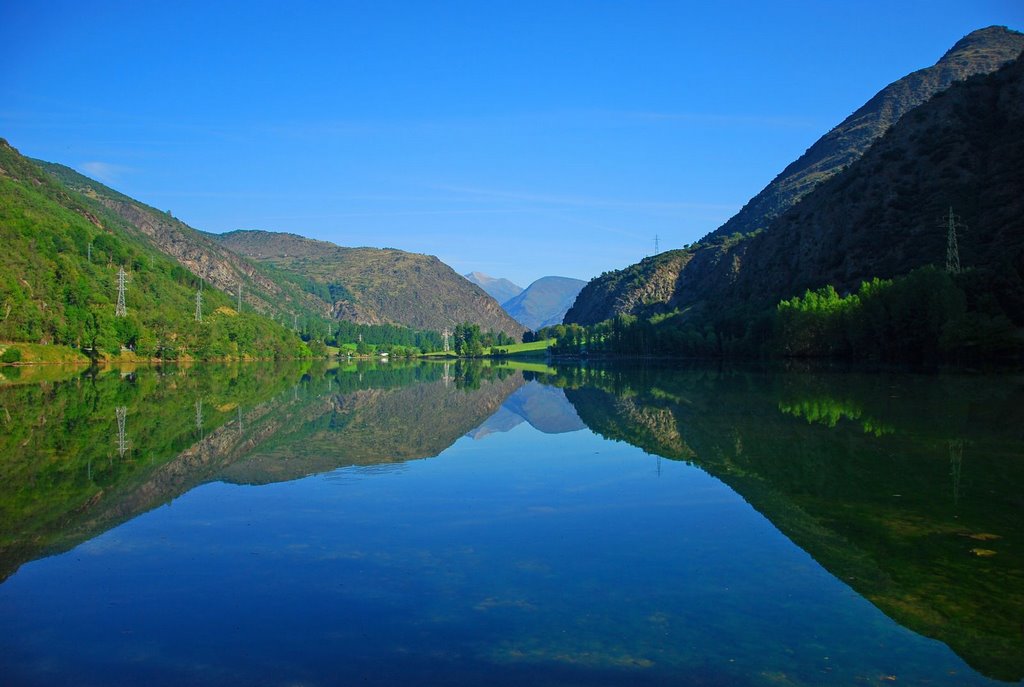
<point x="709" y="270"/>
<point x="544" y="302"/>
<point x="980" y="52"/>
<point x="497" y="288"/>
<point x="374" y="285"/>
<point x="887" y="214"/>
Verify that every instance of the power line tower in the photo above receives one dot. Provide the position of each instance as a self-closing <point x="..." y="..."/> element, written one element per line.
<point x="952" y="249"/>
<point x="295" y="322"/>
<point x="956" y="461"/>
<point x="120" y="310"/>
<point x="199" y="303"/>
<point x="90" y="251"/>
<point x="239" y="298"/>
<point x="122" y="438"/>
<point x="657" y="245"/>
<point x="446" y="334"/>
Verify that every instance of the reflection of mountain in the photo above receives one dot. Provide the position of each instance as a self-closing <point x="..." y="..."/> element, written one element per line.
<point x="64" y="479"/>
<point x="545" y="408"/>
<point x="85" y="454"/>
<point x="372" y="427"/>
<point x="907" y="488"/>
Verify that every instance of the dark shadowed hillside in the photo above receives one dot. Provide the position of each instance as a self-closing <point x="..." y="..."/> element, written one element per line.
<point x="980" y="52"/>
<point x="713" y="265"/>
<point x="886" y="214"/>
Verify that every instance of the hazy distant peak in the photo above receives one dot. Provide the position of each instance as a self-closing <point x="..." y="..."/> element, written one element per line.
<point x="496" y="287"/>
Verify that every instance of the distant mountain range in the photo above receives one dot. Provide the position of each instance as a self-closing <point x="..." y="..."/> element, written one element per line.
<point x="497" y="288"/>
<point x="544" y="302"/>
<point x="541" y="304"/>
<point x="865" y="200"/>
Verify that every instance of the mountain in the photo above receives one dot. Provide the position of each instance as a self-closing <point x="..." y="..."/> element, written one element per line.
<point x="544" y="302"/>
<point x="887" y="214"/>
<point x="376" y="285"/>
<point x="499" y="289"/>
<point x="59" y="283"/>
<point x="262" y="290"/>
<point x="657" y="284"/>
<point x="280" y="287"/>
<point x="980" y="52"/>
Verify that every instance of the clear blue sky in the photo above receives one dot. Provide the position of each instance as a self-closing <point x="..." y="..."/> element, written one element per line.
<point x="520" y="139"/>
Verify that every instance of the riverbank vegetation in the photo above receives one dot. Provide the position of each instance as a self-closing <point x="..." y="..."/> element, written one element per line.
<point x="926" y="316"/>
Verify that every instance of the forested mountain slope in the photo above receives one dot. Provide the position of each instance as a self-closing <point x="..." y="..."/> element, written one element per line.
<point x="277" y="295"/>
<point x="59" y="281"/>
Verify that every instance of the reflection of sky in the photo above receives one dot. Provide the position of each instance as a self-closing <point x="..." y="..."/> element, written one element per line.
<point x="545" y="408"/>
<point x="531" y="556"/>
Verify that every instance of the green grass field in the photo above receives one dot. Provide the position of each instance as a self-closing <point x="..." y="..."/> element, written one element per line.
<point x="536" y="347"/>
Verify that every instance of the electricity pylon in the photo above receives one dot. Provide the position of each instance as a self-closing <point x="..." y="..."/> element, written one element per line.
<point x="952" y="249"/>
<point x="120" y="310"/>
<point x="122" y="439"/>
<point x="199" y="303"/>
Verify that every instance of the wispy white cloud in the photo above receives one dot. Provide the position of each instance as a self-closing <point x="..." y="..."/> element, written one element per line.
<point x="106" y="172"/>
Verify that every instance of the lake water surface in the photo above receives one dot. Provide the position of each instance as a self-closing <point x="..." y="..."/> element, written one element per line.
<point x="421" y="524"/>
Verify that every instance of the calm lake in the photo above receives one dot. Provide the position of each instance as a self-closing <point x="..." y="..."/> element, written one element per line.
<point x="461" y="524"/>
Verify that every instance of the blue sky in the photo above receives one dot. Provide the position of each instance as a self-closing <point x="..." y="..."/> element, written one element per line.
<point x="520" y="139"/>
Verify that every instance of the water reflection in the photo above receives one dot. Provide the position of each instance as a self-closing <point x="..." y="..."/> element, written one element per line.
<point x="87" y="452"/>
<point x="905" y="488"/>
<point x="864" y="472"/>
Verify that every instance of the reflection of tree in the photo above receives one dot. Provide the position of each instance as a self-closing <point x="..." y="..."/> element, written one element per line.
<point x="854" y="481"/>
<point x="956" y="459"/>
<point x="829" y="411"/>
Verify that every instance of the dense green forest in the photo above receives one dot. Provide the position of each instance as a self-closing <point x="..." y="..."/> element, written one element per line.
<point x="59" y="282"/>
<point x="928" y="315"/>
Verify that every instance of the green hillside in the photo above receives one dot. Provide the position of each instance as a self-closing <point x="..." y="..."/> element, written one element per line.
<point x="59" y="282"/>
